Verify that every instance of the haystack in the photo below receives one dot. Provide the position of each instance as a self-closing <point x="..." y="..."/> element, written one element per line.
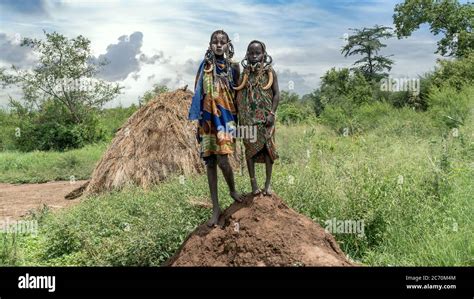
<point x="157" y="141"/>
<point x="261" y="231"/>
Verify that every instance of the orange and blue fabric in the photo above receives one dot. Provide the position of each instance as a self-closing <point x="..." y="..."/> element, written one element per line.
<point x="213" y="106"/>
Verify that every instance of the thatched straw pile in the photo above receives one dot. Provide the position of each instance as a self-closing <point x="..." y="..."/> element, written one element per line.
<point x="156" y="141"/>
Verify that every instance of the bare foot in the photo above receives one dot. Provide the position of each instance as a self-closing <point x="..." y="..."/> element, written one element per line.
<point x="255" y="189"/>
<point x="267" y="191"/>
<point x="215" y="218"/>
<point x="236" y="196"/>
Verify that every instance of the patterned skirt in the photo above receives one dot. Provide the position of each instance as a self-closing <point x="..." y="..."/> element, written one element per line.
<point x="217" y="125"/>
<point x="254" y="106"/>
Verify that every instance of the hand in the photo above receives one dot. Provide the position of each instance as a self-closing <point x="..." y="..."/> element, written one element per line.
<point x="270" y="120"/>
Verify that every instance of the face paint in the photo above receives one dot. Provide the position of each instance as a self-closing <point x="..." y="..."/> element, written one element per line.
<point x="219" y="44"/>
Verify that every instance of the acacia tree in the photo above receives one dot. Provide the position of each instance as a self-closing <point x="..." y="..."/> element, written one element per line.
<point x="65" y="73"/>
<point x="366" y="42"/>
<point x="447" y="17"/>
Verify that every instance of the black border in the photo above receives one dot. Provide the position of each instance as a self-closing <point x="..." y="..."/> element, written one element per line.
<point x="244" y="282"/>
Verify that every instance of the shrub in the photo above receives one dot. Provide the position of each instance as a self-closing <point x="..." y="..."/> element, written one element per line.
<point x="450" y="107"/>
<point x="362" y="118"/>
<point x="293" y="109"/>
<point x="9" y="125"/>
<point x="455" y="73"/>
<point x="52" y="128"/>
<point x="112" y="119"/>
<point x="345" y="88"/>
<point x="291" y="113"/>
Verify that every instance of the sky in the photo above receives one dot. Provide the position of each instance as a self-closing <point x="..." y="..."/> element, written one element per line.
<point x="162" y="42"/>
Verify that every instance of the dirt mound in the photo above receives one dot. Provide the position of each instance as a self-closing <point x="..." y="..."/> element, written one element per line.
<point x="156" y="141"/>
<point x="261" y="231"/>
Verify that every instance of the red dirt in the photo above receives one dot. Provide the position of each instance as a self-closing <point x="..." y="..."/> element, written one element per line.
<point x="261" y="231"/>
<point x="17" y="200"/>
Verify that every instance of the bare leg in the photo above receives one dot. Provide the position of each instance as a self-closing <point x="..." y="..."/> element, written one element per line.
<point x="268" y="172"/>
<point x="253" y="180"/>
<point x="224" y="165"/>
<point x="211" y="168"/>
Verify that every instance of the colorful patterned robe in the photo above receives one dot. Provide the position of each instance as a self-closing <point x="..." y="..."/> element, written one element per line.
<point x="254" y="105"/>
<point x="217" y="123"/>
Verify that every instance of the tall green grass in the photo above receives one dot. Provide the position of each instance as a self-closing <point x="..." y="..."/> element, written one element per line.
<point x="406" y="175"/>
<point x="39" y="167"/>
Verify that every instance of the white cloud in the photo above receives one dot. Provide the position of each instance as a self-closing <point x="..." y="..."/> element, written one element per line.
<point x="304" y="38"/>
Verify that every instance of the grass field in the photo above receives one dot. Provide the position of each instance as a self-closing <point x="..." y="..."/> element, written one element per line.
<point x="40" y="167"/>
<point x="408" y="180"/>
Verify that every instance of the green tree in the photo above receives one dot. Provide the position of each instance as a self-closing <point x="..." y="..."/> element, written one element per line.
<point x="151" y="94"/>
<point x="287" y="97"/>
<point x="65" y="73"/>
<point x="366" y="42"/>
<point x="61" y="95"/>
<point x="455" y="72"/>
<point x="5" y="78"/>
<point x="447" y="17"/>
<point x="53" y="128"/>
<point x="292" y="109"/>
<point x="345" y="88"/>
<point x="342" y="88"/>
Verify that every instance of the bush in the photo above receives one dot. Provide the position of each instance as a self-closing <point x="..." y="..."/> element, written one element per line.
<point x="8" y="248"/>
<point x="113" y="118"/>
<point x="53" y="128"/>
<point x="151" y="94"/>
<point x="451" y="73"/>
<point x="293" y="109"/>
<point x="343" y="104"/>
<point x="336" y="118"/>
<point x="400" y="99"/>
<point x="8" y="123"/>
<point x="343" y="89"/>
<point x="455" y="73"/>
<point x="346" y="89"/>
<point x="450" y="107"/>
<point x="362" y="118"/>
<point x="291" y="113"/>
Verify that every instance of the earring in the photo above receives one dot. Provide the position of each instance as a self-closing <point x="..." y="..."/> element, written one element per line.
<point x="209" y="56"/>
<point x="268" y="57"/>
<point x="244" y="62"/>
<point x="231" y="50"/>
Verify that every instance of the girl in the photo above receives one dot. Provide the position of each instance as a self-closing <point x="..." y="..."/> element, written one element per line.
<point x="257" y="101"/>
<point x="213" y="106"/>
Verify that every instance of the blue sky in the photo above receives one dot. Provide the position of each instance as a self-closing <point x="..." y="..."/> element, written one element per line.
<point x="152" y="42"/>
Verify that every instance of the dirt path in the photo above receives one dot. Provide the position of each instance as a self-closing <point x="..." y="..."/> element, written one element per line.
<point x="17" y="200"/>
